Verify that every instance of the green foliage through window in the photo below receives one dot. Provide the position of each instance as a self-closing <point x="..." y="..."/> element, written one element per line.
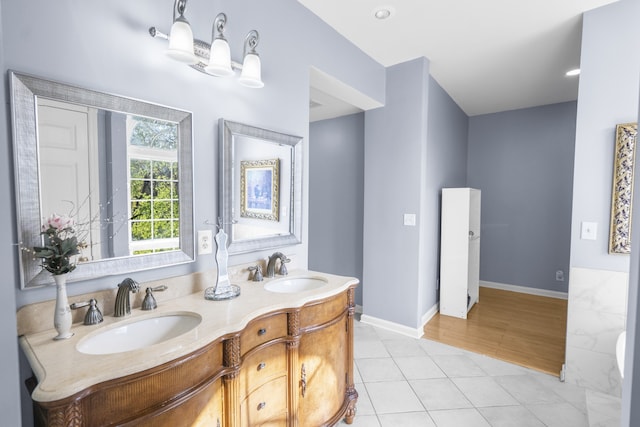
<point x="155" y="205"/>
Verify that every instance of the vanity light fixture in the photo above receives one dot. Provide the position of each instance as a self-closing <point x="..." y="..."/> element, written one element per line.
<point x="574" y="72"/>
<point x="215" y="58"/>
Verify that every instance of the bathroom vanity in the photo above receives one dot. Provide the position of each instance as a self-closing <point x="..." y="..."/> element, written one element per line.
<point x="265" y="358"/>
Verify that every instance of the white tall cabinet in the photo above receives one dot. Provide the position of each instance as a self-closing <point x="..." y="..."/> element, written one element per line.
<point x="459" y="251"/>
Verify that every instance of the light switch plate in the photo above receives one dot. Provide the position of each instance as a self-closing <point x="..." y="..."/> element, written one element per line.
<point x="410" y="219"/>
<point x="589" y="231"/>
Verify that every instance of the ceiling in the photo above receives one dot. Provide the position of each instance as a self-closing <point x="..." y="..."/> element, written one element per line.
<point x="489" y="56"/>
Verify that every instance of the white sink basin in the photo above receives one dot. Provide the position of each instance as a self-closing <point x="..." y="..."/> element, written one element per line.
<point x="289" y="285"/>
<point x="139" y="334"/>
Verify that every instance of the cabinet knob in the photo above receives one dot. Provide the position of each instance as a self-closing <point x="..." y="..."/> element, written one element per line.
<point x="261" y="366"/>
<point x="262" y="331"/>
<point x="261" y="405"/>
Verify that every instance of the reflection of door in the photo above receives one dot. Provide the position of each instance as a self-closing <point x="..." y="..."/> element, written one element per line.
<point x="68" y="151"/>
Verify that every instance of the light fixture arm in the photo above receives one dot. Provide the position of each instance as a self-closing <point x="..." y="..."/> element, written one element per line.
<point x="251" y="41"/>
<point x="218" y="25"/>
<point x="179" y="6"/>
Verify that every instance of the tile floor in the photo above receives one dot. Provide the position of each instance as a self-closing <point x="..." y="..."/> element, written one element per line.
<point x="416" y="382"/>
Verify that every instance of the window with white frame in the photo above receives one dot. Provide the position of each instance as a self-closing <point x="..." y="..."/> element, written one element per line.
<point x="154" y="208"/>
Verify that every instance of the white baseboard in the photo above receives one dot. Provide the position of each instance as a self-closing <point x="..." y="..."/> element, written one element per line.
<point x="400" y="329"/>
<point x="430" y="313"/>
<point x="524" y="290"/>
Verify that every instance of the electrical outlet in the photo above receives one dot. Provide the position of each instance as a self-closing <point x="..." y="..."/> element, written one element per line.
<point x="560" y="276"/>
<point x="205" y="244"/>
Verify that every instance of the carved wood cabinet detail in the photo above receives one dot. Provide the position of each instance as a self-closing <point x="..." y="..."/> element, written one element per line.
<point x="292" y="367"/>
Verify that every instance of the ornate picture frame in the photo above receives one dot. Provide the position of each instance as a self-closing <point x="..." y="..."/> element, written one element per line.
<point x="260" y="189"/>
<point x="624" y="158"/>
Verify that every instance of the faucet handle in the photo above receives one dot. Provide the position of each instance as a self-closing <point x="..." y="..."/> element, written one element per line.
<point x="149" y="301"/>
<point x="283" y="268"/>
<point x="257" y="273"/>
<point x="93" y="316"/>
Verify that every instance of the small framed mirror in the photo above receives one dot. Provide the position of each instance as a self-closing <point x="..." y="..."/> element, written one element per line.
<point x="120" y="167"/>
<point x="260" y="187"/>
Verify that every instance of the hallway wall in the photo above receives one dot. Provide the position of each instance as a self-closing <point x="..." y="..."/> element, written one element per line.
<point x="522" y="161"/>
<point x="336" y="196"/>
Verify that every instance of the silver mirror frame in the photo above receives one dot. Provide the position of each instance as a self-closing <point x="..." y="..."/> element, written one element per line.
<point x="228" y="132"/>
<point x="25" y="90"/>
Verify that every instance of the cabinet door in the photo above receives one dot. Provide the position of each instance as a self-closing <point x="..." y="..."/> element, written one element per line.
<point x="322" y="382"/>
<point x="202" y="409"/>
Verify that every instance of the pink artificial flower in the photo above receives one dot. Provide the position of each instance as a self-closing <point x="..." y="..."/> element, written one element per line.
<point x="58" y="222"/>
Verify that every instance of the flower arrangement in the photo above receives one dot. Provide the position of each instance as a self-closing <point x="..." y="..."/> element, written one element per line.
<point x="60" y="245"/>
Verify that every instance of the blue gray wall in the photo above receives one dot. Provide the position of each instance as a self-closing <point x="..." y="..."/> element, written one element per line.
<point x="447" y="130"/>
<point x="608" y="95"/>
<point x="395" y="156"/>
<point x="106" y="46"/>
<point x="10" y="390"/>
<point x="522" y="160"/>
<point x="336" y="196"/>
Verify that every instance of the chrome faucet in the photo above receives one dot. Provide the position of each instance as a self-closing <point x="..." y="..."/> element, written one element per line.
<point x="123" y="305"/>
<point x="271" y="266"/>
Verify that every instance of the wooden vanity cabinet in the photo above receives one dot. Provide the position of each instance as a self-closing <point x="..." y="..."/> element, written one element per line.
<point x="289" y="368"/>
<point x="187" y="388"/>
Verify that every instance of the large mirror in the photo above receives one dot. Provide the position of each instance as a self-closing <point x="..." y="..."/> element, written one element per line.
<point x="122" y="168"/>
<point x="260" y="187"/>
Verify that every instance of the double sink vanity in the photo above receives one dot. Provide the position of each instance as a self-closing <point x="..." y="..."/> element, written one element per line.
<point x="281" y="354"/>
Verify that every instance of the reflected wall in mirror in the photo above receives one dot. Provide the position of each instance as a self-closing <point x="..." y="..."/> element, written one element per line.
<point x="122" y="168"/>
<point x="260" y="187"/>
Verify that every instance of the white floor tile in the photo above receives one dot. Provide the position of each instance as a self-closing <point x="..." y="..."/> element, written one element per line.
<point x="440" y="393"/>
<point x="373" y="370"/>
<point x="436" y="348"/>
<point x="409" y="419"/>
<point x="392" y="397"/>
<point x="559" y="415"/>
<point x="459" y="418"/>
<point x="495" y="367"/>
<point x="510" y="416"/>
<point x="458" y="366"/>
<point x="603" y="410"/>
<point x="357" y="379"/>
<point x="406" y="382"/>
<point x="484" y="391"/>
<point x="363" y="421"/>
<point x="404" y="348"/>
<point x="527" y="390"/>
<point x="419" y="368"/>
<point x="369" y="349"/>
<point x="363" y="406"/>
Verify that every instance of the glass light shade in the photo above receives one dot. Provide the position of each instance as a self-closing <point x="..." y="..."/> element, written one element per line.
<point x="251" y="71"/>
<point x="181" y="42"/>
<point x="219" y="59"/>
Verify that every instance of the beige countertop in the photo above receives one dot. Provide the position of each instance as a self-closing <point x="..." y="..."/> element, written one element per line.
<point x="62" y="371"/>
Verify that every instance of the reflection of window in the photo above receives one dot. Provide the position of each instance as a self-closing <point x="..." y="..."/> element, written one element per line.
<point x="153" y="186"/>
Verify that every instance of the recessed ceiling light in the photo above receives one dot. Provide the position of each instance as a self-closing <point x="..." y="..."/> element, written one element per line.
<point x="383" y="12"/>
<point x="574" y="72"/>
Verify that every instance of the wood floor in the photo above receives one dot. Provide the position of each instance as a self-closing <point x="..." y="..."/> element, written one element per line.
<point x="524" y="329"/>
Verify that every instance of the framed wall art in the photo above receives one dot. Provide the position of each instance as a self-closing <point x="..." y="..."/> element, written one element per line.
<point x="260" y="189"/>
<point x="622" y="194"/>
